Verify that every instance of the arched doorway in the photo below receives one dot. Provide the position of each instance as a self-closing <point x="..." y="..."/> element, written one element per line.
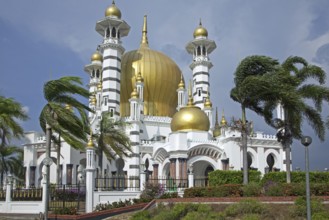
<point x="201" y="170"/>
<point x="270" y="162"/>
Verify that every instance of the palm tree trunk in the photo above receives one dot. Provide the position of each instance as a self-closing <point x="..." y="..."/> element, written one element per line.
<point x="58" y="167"/>
<point x="244" y="146"/>
<point x="287" y="143"/>
<point x="48" y="148"/>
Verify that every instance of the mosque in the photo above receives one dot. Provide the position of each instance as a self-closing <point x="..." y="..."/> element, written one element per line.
<point x="173" y="127"/>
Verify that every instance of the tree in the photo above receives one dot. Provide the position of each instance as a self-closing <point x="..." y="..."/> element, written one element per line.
<point x="10" y="113"/>
<point x="253" y="80"/>
<point x="112" y="139"/>
<point x="55" y="116"/>
<point x="296" y="101"/>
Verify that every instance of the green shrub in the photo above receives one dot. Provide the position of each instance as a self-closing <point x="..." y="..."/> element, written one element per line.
<point x="252" y="217"/>
<point x="244" y="207"/>
<point x="66" y="211"/>
<point x="320" y="189"/>
<point x="321" y="216"/>
<point x="220" y="177"/>
<point x="142" y="215"/>
<point x="252" y="189"/>
<point x="169" y="195"/>
<point x="296" y="177"/>
<point x="299" y="209"/>
<point x="152" y="191"/>
<point x="194" y="192"/>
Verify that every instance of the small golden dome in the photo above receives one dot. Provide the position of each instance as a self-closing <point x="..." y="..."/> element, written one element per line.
<point x="90" y="143"/>
<point x="134" y="94"/>
<point x="96" y="57"/>
<point x="139" y="77"/>
<point x="189" y="119"/>
<point x="223" y="122"/>
<point x="100" y="86"/>
<point x="181" y="84"/>
<point x="93" y="100"/>
<point x="113" y="11"/>
<point x="207" y="103"/>
<point x="217" y="131"/>
<point x="200" y="31"/>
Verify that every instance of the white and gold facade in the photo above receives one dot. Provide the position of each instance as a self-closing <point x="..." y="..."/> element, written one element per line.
<point x="170" y="129"/>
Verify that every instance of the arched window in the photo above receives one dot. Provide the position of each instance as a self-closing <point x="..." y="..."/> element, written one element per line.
<point x="198" y="53"/>
<point x="203" y="50"/>
<point x="93" y="74"/>
<point x="270" y="162"/>
<point x="107" y="32"/>
<point x="249" y="159"/>
<point x="97" y="73"/>
<point x="114" y="33"/>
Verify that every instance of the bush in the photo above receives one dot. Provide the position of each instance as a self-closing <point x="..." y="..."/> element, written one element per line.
<point x="169" y="195"/>
<point x="296" y="177"/>
<point x="152" y="191"/>
<point x="232" y="190"/>
<point x="107" y="206"/>
<point x="220" y="177"/>
<point x="194" y="192"/>
<point x="66" y="211"/>
<point x="252" y="189"/>
<point x="244" y="207"/>
<point x="299" y="210"/>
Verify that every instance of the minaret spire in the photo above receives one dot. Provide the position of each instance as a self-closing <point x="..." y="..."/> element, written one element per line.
<point x="190" y="97"/>
<point x="216" y="122"/>
<point x="144" y="33"/>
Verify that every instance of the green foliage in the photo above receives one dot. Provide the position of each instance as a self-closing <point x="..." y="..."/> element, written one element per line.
<point x="228" y="190"/>
<point x="152" y="191"/>
<point x="142" y="215"/>
<point x="296" y="177"/>
<point x="169" y="195"/>
<point x="113" y="205"/>
<point x="252" y="189"/>
<point x="220" y="177"/>
<point x="247" y="206"/>
<point x="66" y="211"/>
<point x="299" y="210"/>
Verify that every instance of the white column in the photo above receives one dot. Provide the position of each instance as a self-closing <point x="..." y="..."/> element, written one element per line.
<point x="8" y="188"/>
<point x="190" y="177"/>
<point x="90" y="179"/>
<point x="142" y="180"/>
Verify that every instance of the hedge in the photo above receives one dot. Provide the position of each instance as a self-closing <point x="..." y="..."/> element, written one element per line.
<point x="220" y="177"/>
<point x="296" y="177"/>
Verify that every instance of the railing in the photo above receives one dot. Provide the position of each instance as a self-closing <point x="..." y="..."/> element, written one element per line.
<point x="117" y="183"/>
<point x="169" y="184"/>
<point x="68" y="196"/>
<point x="31" y="194"/>
<point x="201" y="182"/>
<point x="2" y="195"/>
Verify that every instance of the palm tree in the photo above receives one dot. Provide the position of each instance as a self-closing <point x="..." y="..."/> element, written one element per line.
<point x="112" y="139"/>
<point x="253" y="84"/>
<point x="11" y="161"/>
<point x="295" y="101"/>
<point x="55" y="116"/>
<point x="10" y="112"/>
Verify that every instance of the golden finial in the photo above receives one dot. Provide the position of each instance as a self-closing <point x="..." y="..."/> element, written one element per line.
<point x="90" y="143"/>
<point x="217" y="132"/>
<point x="68" y="107"/>
<point x="200" y="23"/>
<point x="139" y="77"/>
<point x="134" y="94"/>
<point x="100" y="85"/>
<point x="190" y="97"/>
<point x="207" y="102"/>
<point x="113" y="2"/>
<point x="181" y="84"/>
<point x="144" y="33"/>
<point x="223" y="121"/>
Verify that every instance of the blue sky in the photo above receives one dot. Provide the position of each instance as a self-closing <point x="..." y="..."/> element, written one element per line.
<point x="42" y="40"/>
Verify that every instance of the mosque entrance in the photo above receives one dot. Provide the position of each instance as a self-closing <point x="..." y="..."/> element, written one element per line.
<point x="201" y="170"/>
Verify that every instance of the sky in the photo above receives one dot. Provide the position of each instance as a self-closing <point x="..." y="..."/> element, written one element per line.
<point x="43" y="40"/>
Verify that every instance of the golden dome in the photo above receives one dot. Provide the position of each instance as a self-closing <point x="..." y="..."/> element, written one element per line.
<point x="161" y="76"/>
<point x="200" y="31"/>
<point x="113" y="10"/>
<point x="190" y="118"/>
<point x="96" y="57"/>
<point x="134" y="94"/>
<point x="139" y="77"/>
<point x="90" y="143"/>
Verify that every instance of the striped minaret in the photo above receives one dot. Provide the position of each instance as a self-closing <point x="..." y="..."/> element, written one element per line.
<point x="112" y="28"/>
<point x="94" y="69"/>
<point x="200" y="47"/>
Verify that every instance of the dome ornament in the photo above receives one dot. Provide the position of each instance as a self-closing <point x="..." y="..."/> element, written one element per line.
<point x="181" y="84"/>
<point x="207" y="102"/>
<point x="113" y="11"/>
<point x="190" y="97"/>
<point x="144" y="41"/>
<point x="90" y="143"/>
<point x="217" y="131"/>
<point x="200" y="31"/>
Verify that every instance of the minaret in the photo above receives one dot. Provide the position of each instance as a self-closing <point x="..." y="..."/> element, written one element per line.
<point x="90" y="174"/>
<point x="112" y="28"/>
<point x="181" y="94"/>
<point x="134" y="106"/>
<point x="140" y="91"/>
<point x="200" y="47"/>
<point x="208" y="109"/>
<point x="94" y="69"/>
